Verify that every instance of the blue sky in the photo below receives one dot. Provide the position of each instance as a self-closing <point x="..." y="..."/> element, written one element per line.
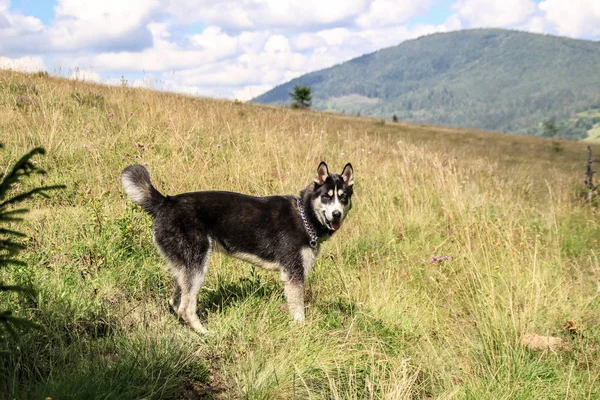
<point x="43" y="10"/>
<point x="241" y="48"/>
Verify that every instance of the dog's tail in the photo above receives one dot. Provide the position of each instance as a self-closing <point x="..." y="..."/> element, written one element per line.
<point x="136" y="181"/>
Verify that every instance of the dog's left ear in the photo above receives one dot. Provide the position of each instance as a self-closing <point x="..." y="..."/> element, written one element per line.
<point x="348" y="175"/>
<point x="322" y="173"/>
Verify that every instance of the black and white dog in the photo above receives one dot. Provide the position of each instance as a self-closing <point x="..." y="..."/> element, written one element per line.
<point x="277" y="232"/>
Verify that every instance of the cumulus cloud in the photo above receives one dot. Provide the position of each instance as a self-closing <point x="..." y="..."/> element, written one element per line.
<point x="277" y="44"/>
<point x="80" y="27"/>
<point x="250" y="92"/>
<point x="19" y="34"/>
<point x="492" y="13"/>
<point x="391" y="12"/>
<point x="575" y="18"/>
<point x="85" y="75"/>
<point x="307" y="41"/>
<point x="23" y="64"/>
<point x="205" y="49"/>
<point x="213" y="40"/>
<point x="102" y="25"/>
<point x="344" y="43"/>
<point x="267" y="14"/>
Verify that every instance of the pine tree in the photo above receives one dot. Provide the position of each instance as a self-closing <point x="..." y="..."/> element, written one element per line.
<point x="550" y="127"/>
<point x="301" y="96"/>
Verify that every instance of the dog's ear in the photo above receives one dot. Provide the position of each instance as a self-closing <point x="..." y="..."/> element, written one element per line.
<point x="322" y="173"/>
<point x="348" y="175"/>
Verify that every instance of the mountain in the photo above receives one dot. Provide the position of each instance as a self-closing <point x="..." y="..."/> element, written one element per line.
<point x="492" y="79"/>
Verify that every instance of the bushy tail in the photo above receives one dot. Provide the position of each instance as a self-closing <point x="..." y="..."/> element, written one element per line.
<point x="136" y="181"/>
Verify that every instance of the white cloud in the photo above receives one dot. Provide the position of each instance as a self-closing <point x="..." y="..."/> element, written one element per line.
<point x="336" y="36"/>
<point x="493" y="13"/>
<point x="250" y="92"/>
<point x="251" y="69"/>
<point x="226" y="14"/>
<point x="306" y="13"/>
<point x="391" y="12"/>
<point x="452" y="23"/>
<point x="173" y="85"/>
<point x="101" y="24"/>
<point x="79" y="27"/>
<point x="267" y="14"/>
<point x="23" y="64"/>
<point x="277" y="44"/>
<point x="340" y="44"/>
<point x="208" y="48"/>
<point x="307" y="41"/>
<point x="18" y="33"/>
<point x="85" y="75"/>
<point x="575" y="18"/>
<point x="216" y="42"/>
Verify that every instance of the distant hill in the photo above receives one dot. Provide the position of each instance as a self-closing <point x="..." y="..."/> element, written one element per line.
<point x="491" y="79"/>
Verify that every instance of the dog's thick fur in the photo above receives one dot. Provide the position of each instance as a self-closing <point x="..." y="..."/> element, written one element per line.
<point x="265" y="231"/>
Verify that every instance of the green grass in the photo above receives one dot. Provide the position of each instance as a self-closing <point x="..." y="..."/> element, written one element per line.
<point x="382" y="321"/>
<point x="593" y="134"/>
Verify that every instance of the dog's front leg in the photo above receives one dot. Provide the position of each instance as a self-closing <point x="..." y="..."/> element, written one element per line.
<point x="294" y="295"/>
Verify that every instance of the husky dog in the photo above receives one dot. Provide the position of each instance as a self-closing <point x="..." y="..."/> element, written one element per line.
<point x="280" y="233"/>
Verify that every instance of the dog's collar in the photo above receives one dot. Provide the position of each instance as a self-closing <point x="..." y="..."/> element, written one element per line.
<point x="309" y="229"/>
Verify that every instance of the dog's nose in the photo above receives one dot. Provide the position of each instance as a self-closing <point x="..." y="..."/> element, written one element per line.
<point x="336" y="214"/>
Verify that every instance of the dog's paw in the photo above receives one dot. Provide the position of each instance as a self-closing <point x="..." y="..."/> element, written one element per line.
<point x="174" y="306"/>
<point x="299" y="320"/>
<point x="199" y="328"/>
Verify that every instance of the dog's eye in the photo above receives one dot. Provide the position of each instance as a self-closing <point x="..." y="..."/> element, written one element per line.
<point x="344" y="198"/>
<point x="325" y="197"/>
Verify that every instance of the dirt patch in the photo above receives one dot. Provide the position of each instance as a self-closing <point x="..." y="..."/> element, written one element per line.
<point x="534" y="341"/>
<point x="217" y="387"/>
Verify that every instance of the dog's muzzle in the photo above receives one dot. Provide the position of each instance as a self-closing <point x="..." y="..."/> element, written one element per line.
<point x="336" y="222"/>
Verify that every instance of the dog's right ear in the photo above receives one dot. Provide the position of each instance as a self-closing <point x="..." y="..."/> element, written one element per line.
<point x="322" y="173"/>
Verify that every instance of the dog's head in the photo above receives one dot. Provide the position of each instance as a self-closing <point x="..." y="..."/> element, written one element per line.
<point x="331" y="197"/>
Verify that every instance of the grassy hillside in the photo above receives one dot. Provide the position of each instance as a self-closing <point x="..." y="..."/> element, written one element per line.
<point x="384" y="320"/>
<point x="491" y="79"/>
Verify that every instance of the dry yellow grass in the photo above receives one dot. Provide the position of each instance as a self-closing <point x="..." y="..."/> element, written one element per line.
<point x="383" y="322"/>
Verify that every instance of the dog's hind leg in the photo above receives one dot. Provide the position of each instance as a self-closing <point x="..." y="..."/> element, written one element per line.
<point x="176" y="269"/>
<point x="189" y="283"/>
<point x="189" y="299"/>
<point x="176" y="298"/>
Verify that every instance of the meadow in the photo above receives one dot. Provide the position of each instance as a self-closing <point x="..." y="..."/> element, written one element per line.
<point x="388" y="315"/>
